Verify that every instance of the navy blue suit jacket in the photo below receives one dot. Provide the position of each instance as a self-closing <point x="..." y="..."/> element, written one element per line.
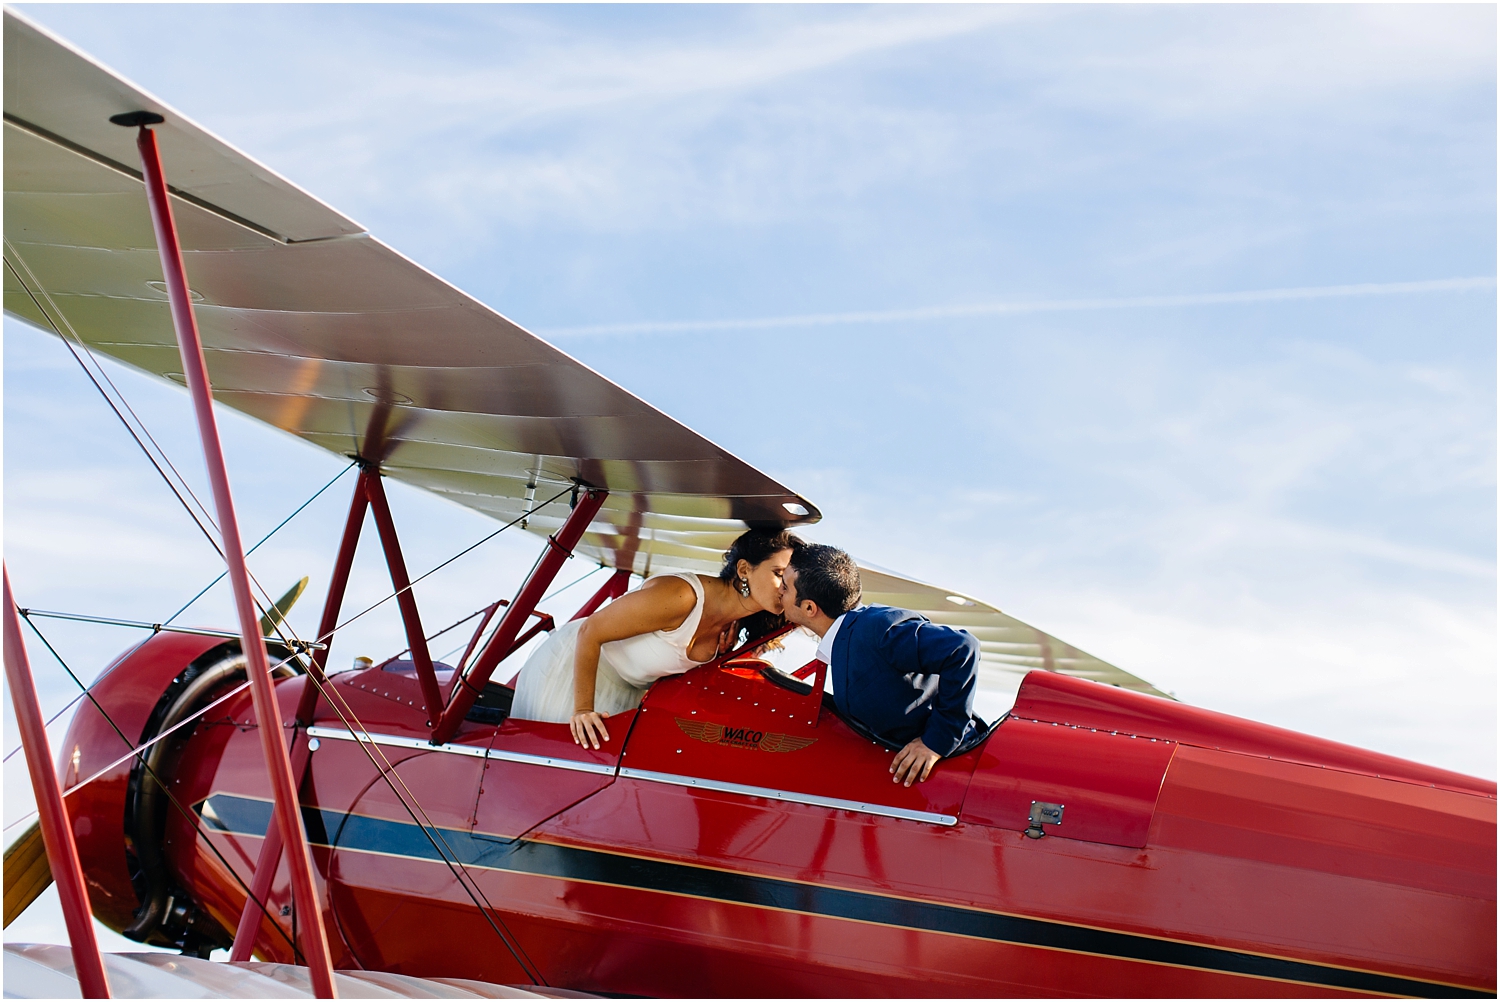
<point x="904" y="676"/>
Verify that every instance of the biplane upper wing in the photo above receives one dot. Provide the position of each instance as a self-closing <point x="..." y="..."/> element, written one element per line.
<point x="1008" y="647"/>
<point x="313" y="326"/>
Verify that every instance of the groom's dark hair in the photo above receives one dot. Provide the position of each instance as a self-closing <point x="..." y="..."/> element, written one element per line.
<point x="828" y="576"/>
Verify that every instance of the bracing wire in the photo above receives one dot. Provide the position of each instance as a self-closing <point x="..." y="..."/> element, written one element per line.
<point x="410" y="803"/>
<point x="405" y="796"/>
<point x="575" y="581"/>
<point x="264" y="539"/>
<point x="480" y="611"/>
<point x="137" y="753"/>
<point x="104" y="374"/>
<point x="450" y="627"/>
<point x="68" y="343"/>
<point x="145" y="747"/>
<point x="187" y="815"/>
<point x="116" y="409"/>
<point x="408" y="800"/>
<point x="550" y="595"/>
<point x="414" y="806"/>
<point x="445" y="563"/>
<point x="429" y="828"/>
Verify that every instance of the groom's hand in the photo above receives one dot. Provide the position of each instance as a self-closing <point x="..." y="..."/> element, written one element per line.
<point x="914" y="762"/>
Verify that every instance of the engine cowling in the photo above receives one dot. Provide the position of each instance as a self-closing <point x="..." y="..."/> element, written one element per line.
<point x="118" y="819"/>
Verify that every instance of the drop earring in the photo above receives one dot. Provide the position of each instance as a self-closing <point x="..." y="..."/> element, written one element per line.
<point x="742" y="585"/>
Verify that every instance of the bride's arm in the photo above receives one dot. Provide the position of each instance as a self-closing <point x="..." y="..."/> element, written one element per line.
<point x="660" y="604"/>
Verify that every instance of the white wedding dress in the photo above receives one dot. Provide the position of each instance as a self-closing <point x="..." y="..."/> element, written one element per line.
<point x="544" y="689"/>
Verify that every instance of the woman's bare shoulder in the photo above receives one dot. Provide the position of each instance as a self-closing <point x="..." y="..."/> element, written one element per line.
<point x="662" y="603"/>
<point x="671" y="590"/>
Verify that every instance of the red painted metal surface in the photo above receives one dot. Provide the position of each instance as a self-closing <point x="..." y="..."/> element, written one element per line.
<point x="1028" y="761"/>
<point x="129" y="689"/>
<point x="1067" y="700"/>
<point x="232" y="740"/>
<point x="416" y="640"/>
<point x="258" y="667"/>
<point x="516" y="796"/>
<point x="449" y="786"/>
<point x="731" y="725"/>
<point x="57" y="832"/>
<point x="341" y="774"/>
<point x="338" y="583"/>
<point x="1319" y="820"/>
<point x="252" y="917"/>
<point x="559" y="548"/>
<point x="628" y="883"/>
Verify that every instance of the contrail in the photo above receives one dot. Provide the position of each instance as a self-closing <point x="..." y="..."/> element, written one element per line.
<point x="1039" y="306"/>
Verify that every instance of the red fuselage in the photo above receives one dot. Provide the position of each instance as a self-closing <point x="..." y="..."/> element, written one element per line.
<point x="736" y="838"/>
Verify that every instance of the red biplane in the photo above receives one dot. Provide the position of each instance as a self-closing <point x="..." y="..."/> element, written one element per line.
<point x="737" y="836"/>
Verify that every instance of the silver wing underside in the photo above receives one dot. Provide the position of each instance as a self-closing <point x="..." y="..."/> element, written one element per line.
<point x="45" y="971"/>
<point x="1008" y="647"/>
<point x="315" y="327"/>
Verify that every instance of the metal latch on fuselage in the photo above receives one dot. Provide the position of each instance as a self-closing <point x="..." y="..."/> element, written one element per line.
<point x="1043" y="813"/>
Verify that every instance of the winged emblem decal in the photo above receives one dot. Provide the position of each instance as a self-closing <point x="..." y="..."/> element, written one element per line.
<point x="713" y="733"/>
<point x="783" y="742"/>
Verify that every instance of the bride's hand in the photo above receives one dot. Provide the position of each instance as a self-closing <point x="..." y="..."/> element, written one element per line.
<point x="588" y="728"/>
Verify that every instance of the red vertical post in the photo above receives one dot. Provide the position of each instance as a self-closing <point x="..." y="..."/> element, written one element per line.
<point x="421" y="659"/>
<point x="338" y="583"/>
<point x="559" y="549"/>
<point x="270" y="850"/>
<point x="613" y="588"/>
<point x="263" y="694"/>
<point x="266" y="865"/>
<point x="57" y="834"/>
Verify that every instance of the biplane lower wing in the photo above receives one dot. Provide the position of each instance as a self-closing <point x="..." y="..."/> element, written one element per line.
<point x="736" y="830"/>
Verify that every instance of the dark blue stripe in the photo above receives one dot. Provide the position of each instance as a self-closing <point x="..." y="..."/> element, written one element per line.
<point x="398" y="838"/>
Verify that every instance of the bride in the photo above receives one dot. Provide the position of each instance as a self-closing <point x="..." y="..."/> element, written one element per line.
<point x="593" y="667"/>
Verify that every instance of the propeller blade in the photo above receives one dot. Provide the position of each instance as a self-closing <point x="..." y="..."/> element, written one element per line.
<point x="27" y="872"/>
<point x="277" y="613"/>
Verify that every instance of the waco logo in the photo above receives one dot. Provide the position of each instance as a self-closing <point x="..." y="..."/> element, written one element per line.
<point x="741" y="737"/>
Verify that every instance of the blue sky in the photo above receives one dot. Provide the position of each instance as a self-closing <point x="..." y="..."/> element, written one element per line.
<point x="1281" y="507"/>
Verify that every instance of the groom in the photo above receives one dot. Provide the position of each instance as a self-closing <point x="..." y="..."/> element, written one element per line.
<point x="904" y="677"/>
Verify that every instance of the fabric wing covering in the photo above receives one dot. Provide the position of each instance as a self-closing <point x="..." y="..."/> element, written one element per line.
<point x="45" y="971"/>
<point x="1008" y="647"/>
<point x="315" y="327"/>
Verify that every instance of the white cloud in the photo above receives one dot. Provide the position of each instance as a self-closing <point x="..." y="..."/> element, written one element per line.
<point x="1448" y="285"/>
<point x="560" y="77"/>
<point x="1266" y="519"/>
<point x="1209" y="62"/>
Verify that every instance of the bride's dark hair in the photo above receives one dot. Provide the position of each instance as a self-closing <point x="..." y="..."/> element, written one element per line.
<point x="755" y="548"/>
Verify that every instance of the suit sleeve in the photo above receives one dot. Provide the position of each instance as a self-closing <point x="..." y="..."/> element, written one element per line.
<point x="953" y="656"/>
